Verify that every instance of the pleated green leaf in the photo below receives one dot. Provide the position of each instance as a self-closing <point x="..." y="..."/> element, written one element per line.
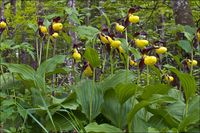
<point x="90" y="97"/>
<point x="102" y="128"/>
<point x="50" y="64"/>
<point x="187" y="82"/>
<point x="92" y="56"/>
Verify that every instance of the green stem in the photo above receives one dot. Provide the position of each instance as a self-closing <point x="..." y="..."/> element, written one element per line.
<point x="186" y="108"/>
<point x="54" y="76"/>
<point x="40" y="56"/>
<point x="104" y="63"/>
<point x="138" y="73"/>
<point x="104" y="59"/>
<point x="127" y="58"/>
<point x="91" y="97"/>
<point x="94" y="75"/>
<point x="111" y="61"/>
<point x="191" y="67"/>
<point x="73" y="70"/>
<point x="147" y="74"/>
<point x="47" y="48"/>
<point x="2" y="72"/>
<point x="37" y="51"/>
<point x="121" y="115"/>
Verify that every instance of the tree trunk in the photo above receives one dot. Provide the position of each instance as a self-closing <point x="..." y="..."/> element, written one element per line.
<point x="2" y="9"/>
<point x="13" y="6"/>
<point x="160" y="27"/>
<point x="40" y="7"/>
<point x="88" y="15"/>
<point x="71" y="77"/>
<point x="71" y="3"/>
<point x="23" y="52"/>
<point x="182" y="12"/>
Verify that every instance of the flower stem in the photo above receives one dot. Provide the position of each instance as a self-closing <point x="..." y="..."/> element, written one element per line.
<point x="37" y="51"/>
<point x="40" y="53"/>
<point x="2" y="73"/>
<point x="47" y="49"/>
<point x="91" y="97"/>
<point x="147" y="74"/>
<point x="186" y="108"/>
<point x="104" y="62"/>
<point x="138" y="73"/>
<point x="111" y="61"/>
<point x="127" y="59"/>
<point x="191" y="67"/>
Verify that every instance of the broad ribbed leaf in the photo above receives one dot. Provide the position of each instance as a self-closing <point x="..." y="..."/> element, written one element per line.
<point x="113" y="110"/>
<point x="136" y="53"/>
<point x="156" y="98"/>
<point x="188" y="83"/>
<point x="70" y="102"/>
<point x="157" y="121"/>
<point x="89" y="97"/>
<point x="185" y="45"/>
<point x="92" y="56"/>
<point x="87" y="32"/>
<point x="25" y="71"/>
<point x="102" y="128"/>
<point x="168" y="118"/>
<point x="193" y="115"/>
<point x="125" y="91"/>
<point x="50" y="64"/>
<point x="139" y="123"/>
<point x="155" y="89"/>
<point x="62" y="122"/>
<point x="176" y="110"/>
<point x="119" y="77"/>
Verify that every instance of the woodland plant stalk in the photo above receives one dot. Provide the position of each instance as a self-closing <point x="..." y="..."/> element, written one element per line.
<point x="47" y="48"/>
<point x="127" y="58"/>
<point x="147" y="74"/>
<point x="192" y="57"/>
<point x="111" y="61"/>
<point x="2" y="72"/>
<point x="54" y="76"/>
<point x="40" y="52"/>
<point x="37" y="51"/>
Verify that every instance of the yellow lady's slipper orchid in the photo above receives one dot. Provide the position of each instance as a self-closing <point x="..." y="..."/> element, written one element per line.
<point x="55" y="35"/>
<point x="105" y="39"/>
<point x="115" y="43"/>
<point x="198" y="36"/>
<point x="57" y="26"/>
<point x="76" y="55"/>
<point x="119" y="28"/>
<point x="43" y="29"/>
<point x="141" y="43"/>
<point x="169" y="78"/>
<point x="150" y="60"/>
<point x="121" y="50"/>
<point x="132" y="63"/>
<point x="3" y="24"/>
<point x="133" y="19"/>
<point x="88" y="71"/>
<point x="192" y="63"/>
<point x="161" y="50"/>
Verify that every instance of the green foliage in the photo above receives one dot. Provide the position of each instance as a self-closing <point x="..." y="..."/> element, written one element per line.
<point x="45" y="94"/>
<point x="90" y="97"/>
<point x="188" y="82"/>
<point x="92" y="56"/>
<point x="103" y="128"/>
<point x="185" y="45"/>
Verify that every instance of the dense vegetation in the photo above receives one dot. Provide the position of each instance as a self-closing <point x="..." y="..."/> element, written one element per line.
<point x="99" y="66"/>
